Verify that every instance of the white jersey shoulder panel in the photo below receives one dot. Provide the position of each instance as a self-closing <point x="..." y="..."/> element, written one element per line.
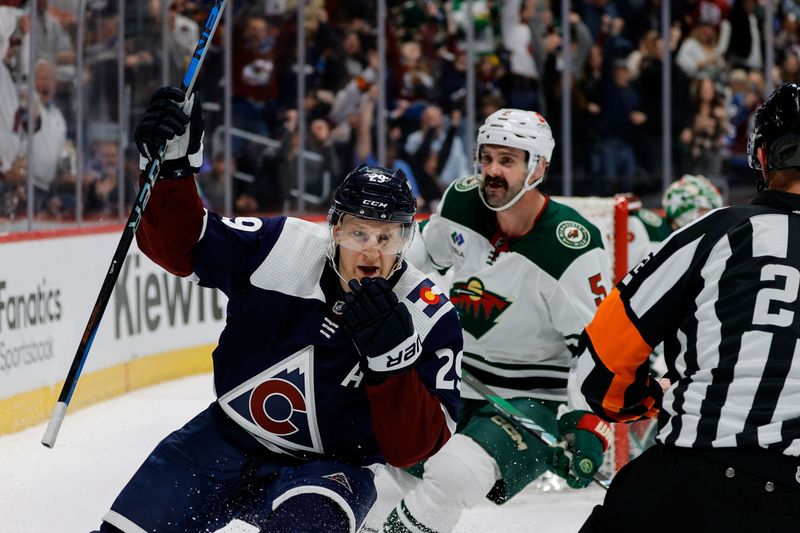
<point x="294" y="266"/>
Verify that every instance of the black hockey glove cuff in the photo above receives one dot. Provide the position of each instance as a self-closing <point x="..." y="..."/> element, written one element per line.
<point x="176" y="123"/>
<point x="382" y="329"/>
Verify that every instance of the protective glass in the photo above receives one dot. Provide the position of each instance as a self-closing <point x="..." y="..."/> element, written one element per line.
<point x="361" y="235"/>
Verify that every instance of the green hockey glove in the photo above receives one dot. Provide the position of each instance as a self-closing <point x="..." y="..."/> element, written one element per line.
<point x="588" y="437"/>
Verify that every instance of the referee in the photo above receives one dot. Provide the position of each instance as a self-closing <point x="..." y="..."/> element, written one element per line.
<point x="722" y="294"/>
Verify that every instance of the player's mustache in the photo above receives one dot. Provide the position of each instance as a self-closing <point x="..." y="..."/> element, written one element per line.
<point x="495" y="181"/>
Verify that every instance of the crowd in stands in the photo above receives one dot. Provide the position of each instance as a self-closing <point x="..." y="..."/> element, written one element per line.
<point x="616" y="53"/>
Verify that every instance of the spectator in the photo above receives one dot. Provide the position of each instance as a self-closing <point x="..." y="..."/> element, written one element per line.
<point x="711" y="12"/>
<point x="9" y="104"/>
<point x="594" y="11"/>
<point x="101" y="61"/>
<point x="787" y="37"/>
<point x="53" y="43"/>
<point x="742" y="105"/>
<point x="704" y="139"/>
<point x="698" y="55"/>
<point x="9" y="15"/>
<point x="353" y="56"/>
<point x="619" y="114"/>
<point x="49" y="138"/>
<point x="13" y="190"/>
<point x="450" y="165"/>
<point x="364" y="147"/>
<point x="100" y="179"/>
<point x="790" y="67"/>
<point x="740" y="36"/>
<point x="453" y="81"/>
<point x="417" y="83"/>
<point x="321" y="163"/>
<point x="649" y="154"/>
<point x="182" y="38"/>
<point x="488" y="73"/>
<point x="523" y="71"/>
<point x="61" y="203"/>
<point x="252" y="70"/>
<point x="589" y="87"/>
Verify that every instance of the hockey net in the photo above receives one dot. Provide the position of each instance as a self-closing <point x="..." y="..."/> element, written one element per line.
<point x="610" y="215"/>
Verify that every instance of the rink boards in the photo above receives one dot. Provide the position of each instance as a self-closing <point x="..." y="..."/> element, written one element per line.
<point x="156" y="326"/>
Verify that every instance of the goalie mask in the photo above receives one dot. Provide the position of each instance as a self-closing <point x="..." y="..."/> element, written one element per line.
<point x="373" y="213"/>
<point x="777" y="131"/>
<point x="524" y="130"/>
<point x="689" y="198"/>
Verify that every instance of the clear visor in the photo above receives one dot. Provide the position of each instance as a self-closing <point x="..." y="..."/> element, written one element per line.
<point x="362" y="235"/>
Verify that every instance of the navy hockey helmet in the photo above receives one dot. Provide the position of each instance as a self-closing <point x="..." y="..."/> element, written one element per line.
<point x="777" y="130"/>
<point x="375" y="193"/>
<point x="379" y="194"/>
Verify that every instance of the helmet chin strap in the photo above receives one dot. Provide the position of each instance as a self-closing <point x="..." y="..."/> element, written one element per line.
<point x="525" y="188"/>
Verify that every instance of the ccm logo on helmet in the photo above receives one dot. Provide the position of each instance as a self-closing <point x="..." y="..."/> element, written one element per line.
<point x="374" y="203"/>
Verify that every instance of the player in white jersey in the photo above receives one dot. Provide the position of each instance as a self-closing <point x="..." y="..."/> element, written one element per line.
<point x="527" y="276"/>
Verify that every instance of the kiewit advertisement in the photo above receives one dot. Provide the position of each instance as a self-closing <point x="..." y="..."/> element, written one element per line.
<point x="47" y="290"/>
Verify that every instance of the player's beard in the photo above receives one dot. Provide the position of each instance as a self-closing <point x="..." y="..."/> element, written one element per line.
<point x="497" y="191"/>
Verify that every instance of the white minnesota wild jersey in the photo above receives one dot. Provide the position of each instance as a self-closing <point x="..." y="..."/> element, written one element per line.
<point x="522" y="302"/>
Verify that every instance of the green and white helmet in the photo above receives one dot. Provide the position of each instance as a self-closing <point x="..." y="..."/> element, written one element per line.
<point x="689" y="198"/>
<point x="515" y="128"/>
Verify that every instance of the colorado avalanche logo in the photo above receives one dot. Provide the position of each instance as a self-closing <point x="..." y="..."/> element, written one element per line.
<point x="273" y="403"/>
<point x="277" y="405"/>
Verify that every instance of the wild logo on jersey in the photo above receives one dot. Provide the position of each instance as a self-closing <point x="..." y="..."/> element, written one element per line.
<point x="277" y="405"/>
<point x="478" y="308"/>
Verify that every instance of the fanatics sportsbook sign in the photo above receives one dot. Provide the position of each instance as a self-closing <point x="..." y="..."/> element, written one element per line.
<point x="48" y="288"/>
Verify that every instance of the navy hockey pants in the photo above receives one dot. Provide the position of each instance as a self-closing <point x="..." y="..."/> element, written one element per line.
<point x="211" y="471"/>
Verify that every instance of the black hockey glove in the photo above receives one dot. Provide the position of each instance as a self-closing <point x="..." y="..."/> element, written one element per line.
<point x="382" y="329"/>
<point x="588" y="437"/>
<point x="177" y="122"/>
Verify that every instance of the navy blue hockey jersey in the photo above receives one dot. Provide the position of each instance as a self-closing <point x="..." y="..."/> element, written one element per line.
<point x="284" y="369"/>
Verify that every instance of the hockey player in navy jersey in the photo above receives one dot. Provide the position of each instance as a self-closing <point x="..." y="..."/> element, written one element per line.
<point x="337" y="356"/>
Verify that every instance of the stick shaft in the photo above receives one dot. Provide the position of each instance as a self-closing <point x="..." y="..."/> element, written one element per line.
<point x="506" y="408"/>
<point x="152" y="171"/>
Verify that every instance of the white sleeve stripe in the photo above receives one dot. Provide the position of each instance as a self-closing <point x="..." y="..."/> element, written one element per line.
<point x="205" y="223"/>
<point x="193" y="277"/>
<point x="656" y="285"/>
<point x="122" y="523"/>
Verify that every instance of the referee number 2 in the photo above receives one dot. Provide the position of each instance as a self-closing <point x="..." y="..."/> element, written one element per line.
<point x="788" y="294"/>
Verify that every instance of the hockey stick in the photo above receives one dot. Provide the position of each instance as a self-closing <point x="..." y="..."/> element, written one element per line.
<point x="152" y="171"/>
<point x="506" y="408"/>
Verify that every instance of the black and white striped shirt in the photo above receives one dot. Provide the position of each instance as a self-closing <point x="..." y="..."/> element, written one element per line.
<point x="722" y="294"/>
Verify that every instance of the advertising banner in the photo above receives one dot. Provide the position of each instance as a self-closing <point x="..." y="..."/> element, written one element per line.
<point x="48" y="288"/>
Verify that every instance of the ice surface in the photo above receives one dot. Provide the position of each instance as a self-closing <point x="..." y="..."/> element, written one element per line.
<point x="67" y="489"/>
